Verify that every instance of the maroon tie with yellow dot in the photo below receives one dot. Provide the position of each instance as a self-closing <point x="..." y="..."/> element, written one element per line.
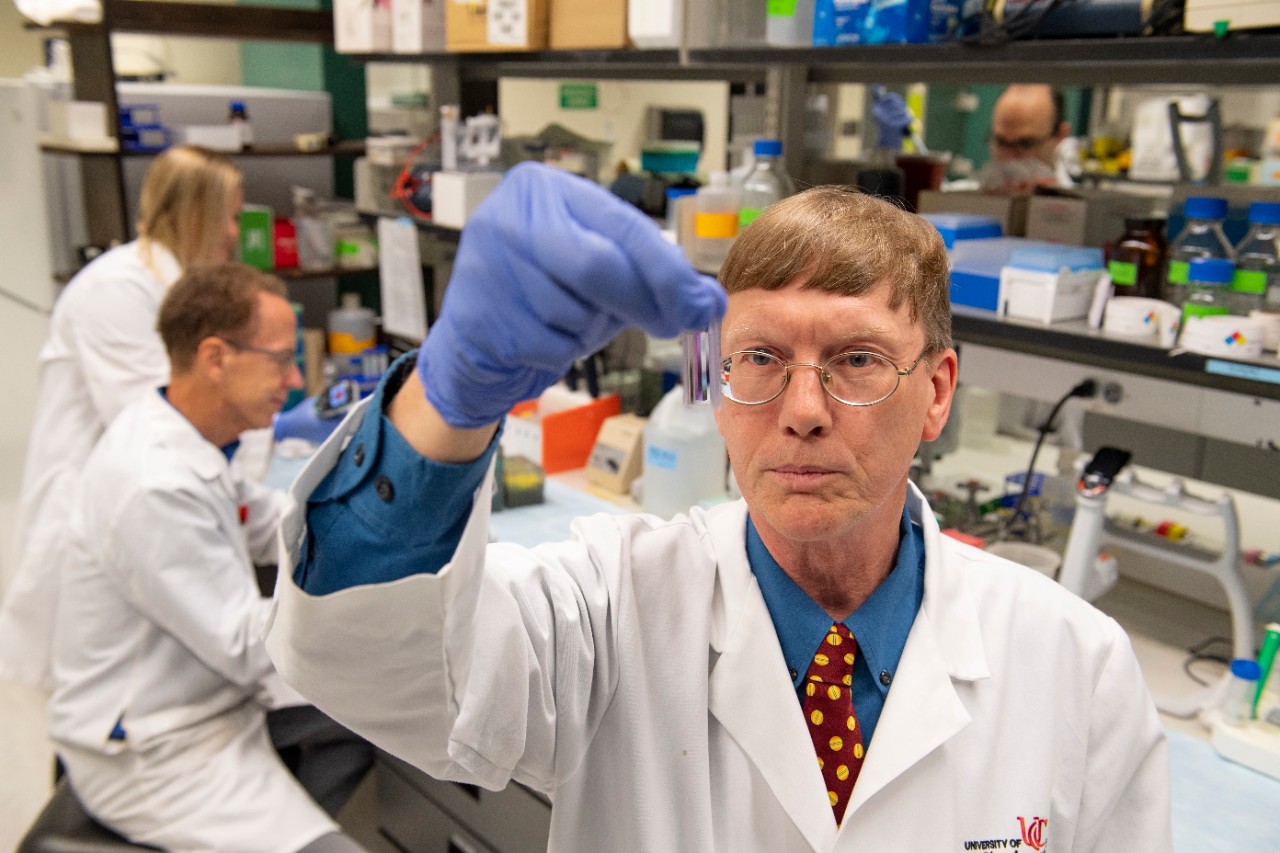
<point x="828" y="710"/>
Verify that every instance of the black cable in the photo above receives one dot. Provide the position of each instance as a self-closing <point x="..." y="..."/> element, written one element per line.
<point x="1087" y="388"/>
<point x="1198" y="653"/>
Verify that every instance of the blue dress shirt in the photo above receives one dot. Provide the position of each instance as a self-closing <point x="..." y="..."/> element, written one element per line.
<point x="880" y="625"/>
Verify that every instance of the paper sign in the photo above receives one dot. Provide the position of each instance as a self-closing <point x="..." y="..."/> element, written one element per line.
<point x="404" y="308"/>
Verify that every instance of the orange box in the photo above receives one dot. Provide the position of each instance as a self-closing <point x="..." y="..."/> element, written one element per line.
<point x="496" y="25"/>
<point x="560" y="441"/>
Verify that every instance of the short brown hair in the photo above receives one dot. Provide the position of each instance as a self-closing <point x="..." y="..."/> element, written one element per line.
<point x="217" y="301"/>
<point x="848" y="243"/>
<point x="185" y="203"/>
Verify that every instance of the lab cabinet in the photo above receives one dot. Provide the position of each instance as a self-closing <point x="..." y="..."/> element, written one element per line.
<point x="425" y="815"/>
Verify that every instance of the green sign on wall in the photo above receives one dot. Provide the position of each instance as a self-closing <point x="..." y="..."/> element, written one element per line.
<point x="578" y="96"/>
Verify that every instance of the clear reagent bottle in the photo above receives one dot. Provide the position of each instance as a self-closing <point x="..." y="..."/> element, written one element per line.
<point x="1257" y="281"/>
<point x="766" y="183"/>
<point x="1207" y="285"/>
<point x="1201" y="237"/>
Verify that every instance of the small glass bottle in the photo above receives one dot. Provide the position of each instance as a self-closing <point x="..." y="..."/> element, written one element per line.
<point x="1201" y="237"/>
<point x="1138" y="259"/>
<point x="1257" y="281"/>
<point x="1207" y="285"/>
<point x="238" y="117"/>
<point x="766" y="183"/>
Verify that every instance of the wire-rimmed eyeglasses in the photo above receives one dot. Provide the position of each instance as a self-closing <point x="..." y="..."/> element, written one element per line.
<point x="855" y="378"/>
<point x="284" y="359"/>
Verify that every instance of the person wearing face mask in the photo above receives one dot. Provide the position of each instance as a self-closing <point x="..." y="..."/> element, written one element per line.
<point x="1027" y="128"/>
<point x="166" y="710"/>
<point x="813" y="667"/>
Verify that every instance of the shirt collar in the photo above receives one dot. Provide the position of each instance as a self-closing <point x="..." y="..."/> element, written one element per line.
<point x="880" y="625"/>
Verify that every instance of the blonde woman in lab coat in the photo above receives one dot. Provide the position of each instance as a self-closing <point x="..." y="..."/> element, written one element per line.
<point x="103" y="352"/>
<point x="654" y="678"/>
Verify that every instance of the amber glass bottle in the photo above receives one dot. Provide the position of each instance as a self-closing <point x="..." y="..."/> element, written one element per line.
<point x="1138" y="258"/>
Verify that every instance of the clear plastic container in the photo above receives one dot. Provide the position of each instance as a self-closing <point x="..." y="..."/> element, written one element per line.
<point x="1201" y="237"/>
<point x="766" y="183"/>
<point x="1208" y="283"/>
<point x="789" y="23"/>
<point x="1257" y="281"/>
<point x="715" y="222"/>
<point x="1237" y="705"/>
<point x="684" y="456"/>
<point x="351" y="327"/>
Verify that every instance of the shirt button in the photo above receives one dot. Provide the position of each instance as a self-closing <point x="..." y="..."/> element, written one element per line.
<point x="794" y="675"/>
<point x="385" y="490"/>
<point x="359" y="455"/>
<point x="885" y="678"/>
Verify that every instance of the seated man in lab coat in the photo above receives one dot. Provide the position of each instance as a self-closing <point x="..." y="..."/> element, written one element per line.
<point x="814" y="667"/>
<point x="161" y="678"/>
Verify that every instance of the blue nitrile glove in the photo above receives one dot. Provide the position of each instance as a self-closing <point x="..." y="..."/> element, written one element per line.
<point x="891" y="116"/>
<point x="550" y="268"/>
<point x="304" y="421"/>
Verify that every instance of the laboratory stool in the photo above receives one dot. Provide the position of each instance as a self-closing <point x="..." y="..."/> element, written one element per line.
<point x="65" y="827"/>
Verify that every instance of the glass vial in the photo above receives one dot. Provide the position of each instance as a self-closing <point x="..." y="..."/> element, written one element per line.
<point x="1237" y="705"/>
<point x="1201" y="237"/>
<point x="766" y="183"/>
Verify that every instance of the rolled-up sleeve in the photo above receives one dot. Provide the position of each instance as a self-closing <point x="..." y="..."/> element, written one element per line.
<point x="384" y="511"/>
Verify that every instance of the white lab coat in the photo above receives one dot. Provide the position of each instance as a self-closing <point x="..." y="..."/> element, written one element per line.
<point x="103" y="352"/>
<point x="634" y="675"/>
<point x="159" y="628"/>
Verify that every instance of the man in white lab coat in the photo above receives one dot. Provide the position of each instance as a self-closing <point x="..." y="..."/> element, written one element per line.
<point x="662" y="681"/>
<point x="161" y="680"/>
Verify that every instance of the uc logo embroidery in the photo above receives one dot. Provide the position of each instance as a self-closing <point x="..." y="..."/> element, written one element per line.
<point x="1033" y="831"/>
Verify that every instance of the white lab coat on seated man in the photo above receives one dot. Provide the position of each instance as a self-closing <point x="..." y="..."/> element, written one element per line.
<point x="103" y="352"/>
<point x="633" y="674"/>
<point x="159" y="665"/>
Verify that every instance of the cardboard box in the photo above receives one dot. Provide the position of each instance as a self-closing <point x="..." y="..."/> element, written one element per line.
<point x="496" y="25"/>
<point x="1085" y="217"/>
<point x="362" y="26"/>
<point x="257" y="245"/>
<point x="1009" y="210"/>
<point x="560" y="441"/>
<point x="588" y="24"/>
<point x="417" y="26"/>
<point x="618" y="455"/>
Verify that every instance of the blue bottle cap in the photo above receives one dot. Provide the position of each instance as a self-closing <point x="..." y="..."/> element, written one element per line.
<point x="1246" y="669"/>
<point x="768" y="148"/>
<point x="1211" y="270"/>
<point x="1205" y="207"/>
<point x="1265" y="212"/>
<point x="676" y="192"/>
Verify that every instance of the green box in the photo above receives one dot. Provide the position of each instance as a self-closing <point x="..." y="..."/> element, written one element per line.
<point x="256" y="248"/>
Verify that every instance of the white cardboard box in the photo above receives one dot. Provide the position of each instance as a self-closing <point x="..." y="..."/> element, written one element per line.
<point x="1049" y="283"/>
<point x="362" y="26"/>
<point x="456" y="195"/>
<point x="417" y="26"/>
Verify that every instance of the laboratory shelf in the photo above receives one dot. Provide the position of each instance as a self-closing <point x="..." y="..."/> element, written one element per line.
<point x="1238" y="58"/>
<point x="344" y="148"/>
<point x="210" y="20"/>
<point x="1076" y="343"/>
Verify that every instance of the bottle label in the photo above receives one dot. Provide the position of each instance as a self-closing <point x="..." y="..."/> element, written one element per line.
<point x="1123" y="272"/>
<point x="1199" y="309"/>
<point x="661" y="457"/>
<point x="715" y="225"/>
<point x="1178" y="272"/>
<point x="345" y="342"/>
<point x="781" y="8"/>
<point x="747" y="215"/>
<point x="1249" y="281"/>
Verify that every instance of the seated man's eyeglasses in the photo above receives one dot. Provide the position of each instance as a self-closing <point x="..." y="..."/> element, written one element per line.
<point x="284" y="358"/>
<point x="754" y="377"/>
<point x="1022" y="143"/>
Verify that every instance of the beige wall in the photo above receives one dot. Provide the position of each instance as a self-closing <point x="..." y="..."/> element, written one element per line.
<point x="530" y="105"/>
<point x="20" y="49"/>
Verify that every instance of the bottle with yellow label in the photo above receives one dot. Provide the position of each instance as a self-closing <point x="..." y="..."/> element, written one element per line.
<point x="715" y="223"/>
<point x="351" y="327"/>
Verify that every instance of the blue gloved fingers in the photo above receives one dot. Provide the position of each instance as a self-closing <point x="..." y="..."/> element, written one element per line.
<point x="303" y="421"/>
<point x="609" y="253"/>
